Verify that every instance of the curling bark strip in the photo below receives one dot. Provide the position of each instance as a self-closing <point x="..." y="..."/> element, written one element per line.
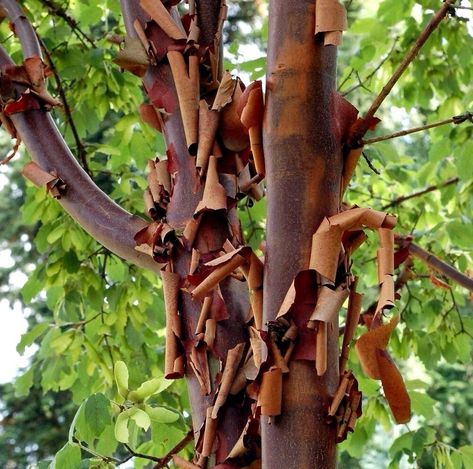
<point x="186" y="195"/>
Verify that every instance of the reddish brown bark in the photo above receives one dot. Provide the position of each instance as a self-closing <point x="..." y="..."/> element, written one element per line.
<point x="304" y="165"/>
<point x="212" y="234"/>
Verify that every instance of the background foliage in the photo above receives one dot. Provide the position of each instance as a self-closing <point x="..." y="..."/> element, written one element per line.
<point x="88" y="310"/>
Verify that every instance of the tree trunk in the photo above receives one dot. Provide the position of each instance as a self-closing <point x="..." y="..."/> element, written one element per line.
<point x="304" y="165"/>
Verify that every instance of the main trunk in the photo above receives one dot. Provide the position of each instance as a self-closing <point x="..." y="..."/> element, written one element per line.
<point x="304" y="165"/>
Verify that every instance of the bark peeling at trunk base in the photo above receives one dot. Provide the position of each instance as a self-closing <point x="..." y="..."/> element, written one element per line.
<point x="304" y="164"/>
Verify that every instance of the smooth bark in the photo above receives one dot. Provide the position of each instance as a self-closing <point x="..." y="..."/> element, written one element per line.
<point x="304" y="165"/>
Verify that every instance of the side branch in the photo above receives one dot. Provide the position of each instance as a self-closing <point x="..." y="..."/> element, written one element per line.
<point x="360" y="128"/>
<point x="81" y="152"/>
<point x="468" y="116"/>
<point x="59" y="11"/>
<point x="428" y="189"/>
<point x="100" y="216"/>
<point x="411" y="55"/>
<point x="441" y="266"/>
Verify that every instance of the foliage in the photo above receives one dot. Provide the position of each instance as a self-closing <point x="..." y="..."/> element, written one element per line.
<point x="91" y="313"/>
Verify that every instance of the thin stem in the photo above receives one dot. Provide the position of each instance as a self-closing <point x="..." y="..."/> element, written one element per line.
<point x="370" y="164"/>
<point x="429" y="29"/>
<point x="455" y="120"/>
<point x="164" y="461"/>
<point x="135" y="454"/>
<point x="82" y="153"/>
<point x="361" y="84"/>
<point x="59" y="11"/>
<point x="363" y="124"/>
<point x="420" y="193"/>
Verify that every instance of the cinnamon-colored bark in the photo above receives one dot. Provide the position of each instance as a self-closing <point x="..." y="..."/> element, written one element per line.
<point x="303" y="170"/>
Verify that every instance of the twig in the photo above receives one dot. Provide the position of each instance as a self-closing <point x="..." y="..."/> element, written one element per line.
<point x="428" y="30"/>
<point x="361" y="84"/>
<point x="81" y="151"/>
<point x="461" y="7"/>
<point x="362" y="125"/>
<point x="468" y="116"/>
<point x="428" y="189"/>
<point x="370" y="164"/>
<point x="441" y="266"/>
<point x="163" y="462"/>
<point x="135" y="454"/>
<point x="61" y="12"/>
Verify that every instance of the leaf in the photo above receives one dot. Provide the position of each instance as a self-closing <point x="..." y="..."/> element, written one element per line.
<point x="161" y="415"/>
<point x="24" y="383"/>
<point x="467" y="455"/>
<point x="401" y="443"/>
<point x="141" y="419"/>
<point x="463" y="344"/>
<point x="31" y="288"/>
<point x="68" y="457"/>
<point x="29" y="337"/>
<point x="147" y="389"/>
<point x="107" y="444"/>
<point x="422" y="404"/>
<point x="121" y="427"/>
<point x="97" y="413"/>
<point x="121" y="378"/>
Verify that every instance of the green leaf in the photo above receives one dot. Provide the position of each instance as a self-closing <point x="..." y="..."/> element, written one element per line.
<point x="24" y="382"/>
<point x="147" y="389"/>
<point x="464" y="162"/>
<point x="422" y="404"/>
<point x="117" y="269"/>
<point x="467" y="455"/>
<point x="97" y="413"/>
<point x="121" y="427"/>
<point x="31" y="288"/>
<point x="404" y="442"/>
<point x="121" y="378"/>
<point x="107" y="444"/>
<point x="141" y="419"/>
<point x="161" y="415"/>
<point x="463" y="343"/>
<point x="29" y="337"/>
<point x="68" y="457"/>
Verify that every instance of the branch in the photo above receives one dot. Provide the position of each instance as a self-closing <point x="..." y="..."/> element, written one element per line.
<point x="428" y="30"/>
<point x="82" y="153"/>
<point x="61" y="12"/>
<point x="361" y="84"/>
<point x="468" y="116"/>
<point x="99" y="215"/>
<point x="164" y="461"/>
<point x="440" y="266"/>
<point x="361" y="126"/>
<point x="428" y="189"/>
<point x="22" y="28"/>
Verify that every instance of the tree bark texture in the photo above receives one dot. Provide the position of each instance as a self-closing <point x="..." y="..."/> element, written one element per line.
<point x="304" y="165"/>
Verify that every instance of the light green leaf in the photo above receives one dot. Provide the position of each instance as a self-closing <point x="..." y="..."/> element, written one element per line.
<point x="121" y="378"/>
<point x="147" y="389"/>
<point x="141" y="419"/>
<point x="161" y="415"/>
<point x="121" y="427"/>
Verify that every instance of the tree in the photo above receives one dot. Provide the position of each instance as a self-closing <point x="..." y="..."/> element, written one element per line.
<point x="245" y="371"/>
